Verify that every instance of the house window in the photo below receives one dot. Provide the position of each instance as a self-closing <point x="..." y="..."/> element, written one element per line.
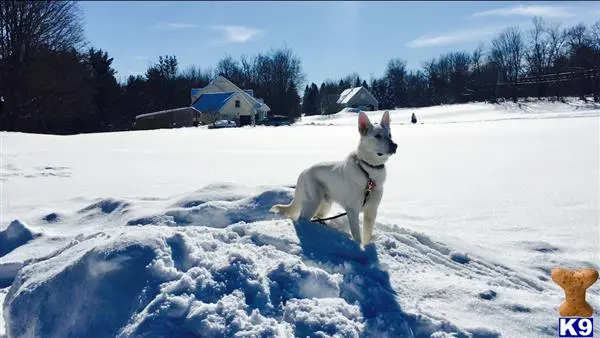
<point x="237" y="103"/>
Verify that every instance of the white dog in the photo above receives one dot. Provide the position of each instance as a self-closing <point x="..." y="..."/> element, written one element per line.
<point x="356" y="183"/>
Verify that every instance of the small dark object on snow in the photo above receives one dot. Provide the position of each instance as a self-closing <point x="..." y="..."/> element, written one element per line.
<point x="413" y="118"/>
<point x="488" y="295"/>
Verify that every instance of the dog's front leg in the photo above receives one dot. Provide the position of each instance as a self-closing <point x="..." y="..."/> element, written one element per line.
<point x="354" y="222"/>
<point x="369" y="216"/>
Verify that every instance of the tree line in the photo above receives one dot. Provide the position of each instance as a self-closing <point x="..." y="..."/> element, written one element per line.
<point x="52" y="81"/>
<point x="543" y="61"/>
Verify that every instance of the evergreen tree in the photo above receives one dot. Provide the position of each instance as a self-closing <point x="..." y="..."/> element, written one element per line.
<point x="364" y="84"/>
<point x="105" y="91"/>
<point x="305" y="99"/>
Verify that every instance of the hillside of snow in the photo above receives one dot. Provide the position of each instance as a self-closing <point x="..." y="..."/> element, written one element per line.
<point x="471" y="112"/>
<point x="168" y="233"/>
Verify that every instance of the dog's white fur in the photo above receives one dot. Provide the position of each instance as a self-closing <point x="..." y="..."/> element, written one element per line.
<point x="345" y="183"/>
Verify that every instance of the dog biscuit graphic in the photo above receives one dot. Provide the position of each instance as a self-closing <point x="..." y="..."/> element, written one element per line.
<point x="575" y="284"/>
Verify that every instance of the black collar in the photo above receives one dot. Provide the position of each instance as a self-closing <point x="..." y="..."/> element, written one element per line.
<point x="379" y="166"/>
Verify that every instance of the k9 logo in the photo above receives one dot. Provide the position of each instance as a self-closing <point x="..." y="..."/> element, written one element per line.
<point x="575" y="327"/>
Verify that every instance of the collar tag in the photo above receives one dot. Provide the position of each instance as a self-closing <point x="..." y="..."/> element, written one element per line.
<point x="371" y="185"/>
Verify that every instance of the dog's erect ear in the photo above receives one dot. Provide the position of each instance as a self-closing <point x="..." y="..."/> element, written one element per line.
<point x="385" y="119"/>
<point x="363" y="123"/>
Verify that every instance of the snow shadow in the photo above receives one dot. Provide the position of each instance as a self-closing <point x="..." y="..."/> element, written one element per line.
<point x="15" y="235"/>
<point x="365" y="282"/>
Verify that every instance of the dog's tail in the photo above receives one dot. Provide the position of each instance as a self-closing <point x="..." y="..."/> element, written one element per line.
<point x="291" y="210"/>
<point x="281" y="209"/>
<point x="288" y="210"/>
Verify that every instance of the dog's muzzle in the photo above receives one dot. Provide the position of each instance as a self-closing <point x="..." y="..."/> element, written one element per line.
<point x="392" y="148"/>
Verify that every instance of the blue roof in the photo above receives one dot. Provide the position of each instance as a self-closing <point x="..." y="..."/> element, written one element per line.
<point x="212" y="102"/>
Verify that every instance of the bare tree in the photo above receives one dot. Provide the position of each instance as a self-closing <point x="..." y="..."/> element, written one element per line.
<point x="595" y="34"/>
<point x="537" y="54"/>
<point x="26" y="26"/>
<point x="230" y="68"/>
<point x="477" y="58"/>
<point x="248" y="71"/>
<point x="537" y="49"/>
<point x="557" y="40"/>
<point x="508" y="50"/>
<point x="196" y="76"/>
<point x="577" y="37"/>
<point x="459" y="76"/>
<point x="28" y="29"/>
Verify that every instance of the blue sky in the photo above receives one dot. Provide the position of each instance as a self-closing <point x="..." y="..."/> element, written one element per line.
<point x="332" y="38"/>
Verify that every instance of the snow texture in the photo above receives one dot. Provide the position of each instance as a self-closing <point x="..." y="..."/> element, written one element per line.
<point x="163" y="233"/>
<point x="15" y="235"/>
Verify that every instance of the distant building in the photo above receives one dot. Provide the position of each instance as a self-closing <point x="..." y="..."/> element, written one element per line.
<point x="172" y="118"/>
<point x="358" y="97"/>
<point x="223" y="100"/>
<point x="219" y="100"/>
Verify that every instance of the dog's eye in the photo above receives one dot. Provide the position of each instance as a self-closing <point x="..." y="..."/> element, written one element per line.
<point x="377" y="136"/>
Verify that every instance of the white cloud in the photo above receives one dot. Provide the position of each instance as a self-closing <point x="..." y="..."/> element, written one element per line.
<point x="451" y="38"/>
<point x="513" y="16"/>
<point x="237" y="34"/>
<point x="175" y="25"/>
<point x="529" y="11"/>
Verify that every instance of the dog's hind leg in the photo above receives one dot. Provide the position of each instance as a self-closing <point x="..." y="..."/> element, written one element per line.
<point x="309" y="209"/>
<point x="313" y="196"/>
<point x="323" y="208"/>
<point x="292" y="210"/>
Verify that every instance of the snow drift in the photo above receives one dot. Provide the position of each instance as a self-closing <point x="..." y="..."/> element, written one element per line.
<point x="481" y="202"/>
<point x="221" y="277"/>
<point x="15" y="235"/>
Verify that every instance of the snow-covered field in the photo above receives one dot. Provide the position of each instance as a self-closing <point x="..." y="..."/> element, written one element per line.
<point x="167" y="232"/>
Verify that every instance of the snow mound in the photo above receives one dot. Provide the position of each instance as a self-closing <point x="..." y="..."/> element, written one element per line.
<point x="231" y="270"/>
<point x="205" y="208"/>
<point x="194" y="281"/>
<point x="15" y="235"/>
<point x="105" y="206"/>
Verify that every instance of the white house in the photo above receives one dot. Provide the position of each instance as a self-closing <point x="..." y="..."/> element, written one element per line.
<point x="358" y="97"/>
<point x="221" y="99"/>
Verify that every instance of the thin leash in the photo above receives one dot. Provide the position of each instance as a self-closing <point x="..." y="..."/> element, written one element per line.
<point x="368" y="189"/>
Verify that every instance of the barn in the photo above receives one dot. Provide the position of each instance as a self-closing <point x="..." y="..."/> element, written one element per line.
<point x="172" y="118"/>
<point x="219" y="100"/>
<point x="358" y="97"/>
